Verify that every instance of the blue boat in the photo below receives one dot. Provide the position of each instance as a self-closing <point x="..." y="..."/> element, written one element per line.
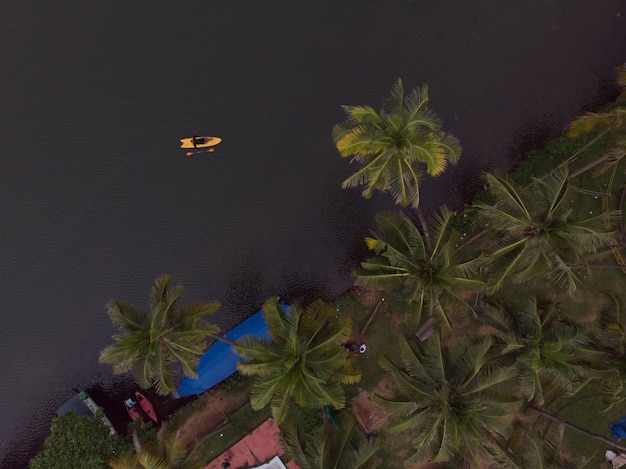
<point x="219" y="361"/>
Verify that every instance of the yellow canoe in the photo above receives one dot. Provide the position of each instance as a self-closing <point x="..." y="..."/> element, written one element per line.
<point x="201" y="142"/>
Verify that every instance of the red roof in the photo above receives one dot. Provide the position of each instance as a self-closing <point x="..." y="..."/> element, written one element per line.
<point x="258" y="447"/>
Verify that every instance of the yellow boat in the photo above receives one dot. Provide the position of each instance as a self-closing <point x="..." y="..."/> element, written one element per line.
<point x="199" y="142"/>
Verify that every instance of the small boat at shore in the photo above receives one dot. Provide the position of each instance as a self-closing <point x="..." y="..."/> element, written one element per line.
<point x="146" y="406"/>
<point x="131" y="408"/>
<point x="199" y="142"/>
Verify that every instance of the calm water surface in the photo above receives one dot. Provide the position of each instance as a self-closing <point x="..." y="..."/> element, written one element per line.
<point x="96" y="200"/>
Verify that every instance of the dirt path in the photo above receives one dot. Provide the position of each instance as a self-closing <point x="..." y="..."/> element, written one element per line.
<point x="217" y="406"/>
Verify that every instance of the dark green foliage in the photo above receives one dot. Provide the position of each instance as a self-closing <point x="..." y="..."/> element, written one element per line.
<point x="424" y="268"/>
<point x="307" y="419"/>
<point x="304" y="363"/>
<point x="80" y="442"/>
<point x="331" y="447"/>
<point x="544" y="448"/>
<point x="154" y="344"/>
<point x="539" y="234"/>
<point x="551" y="352"/>
<point x="542" y="161"/>
<point x="345" y="302"/>
<point x="395" y="146"/>
<point x="466" y="223"/>
<point x="452" y="399"/>
<point x="164" y="451"/>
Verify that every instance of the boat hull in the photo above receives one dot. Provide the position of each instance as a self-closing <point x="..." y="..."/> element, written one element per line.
<point x="133" y="413"/>
<point x="208" y="142"/>
<point x="146" y="406"/>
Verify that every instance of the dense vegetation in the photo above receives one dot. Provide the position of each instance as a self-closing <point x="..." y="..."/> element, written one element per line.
<point x="80" y="441"/>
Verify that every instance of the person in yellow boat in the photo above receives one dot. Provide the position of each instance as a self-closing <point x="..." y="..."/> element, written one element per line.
<point x="197" y="141"/>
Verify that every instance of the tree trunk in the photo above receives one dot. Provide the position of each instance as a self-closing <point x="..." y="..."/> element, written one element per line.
<point x="367" y="324"/>
<point x="615" y="152"/>
<point x="595" y="436"/>
<point x="597" y="266"/>
<point x="222" y="339"/>
<point x="422" y="219"/>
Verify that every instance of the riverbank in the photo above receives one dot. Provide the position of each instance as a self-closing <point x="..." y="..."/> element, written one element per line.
<point x="394" y="317"/>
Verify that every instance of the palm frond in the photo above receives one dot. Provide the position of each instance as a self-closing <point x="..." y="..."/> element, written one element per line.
<point x="506" y="192"/>
<point x="393" y="144"/>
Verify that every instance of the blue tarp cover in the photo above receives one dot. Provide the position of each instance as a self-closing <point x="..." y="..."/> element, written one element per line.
<point x="618" y="429"/>
<point x="219" y="361"/>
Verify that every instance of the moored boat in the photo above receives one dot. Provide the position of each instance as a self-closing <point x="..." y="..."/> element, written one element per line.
<point x="131" y="408"/>
<point x="146" y="406"/>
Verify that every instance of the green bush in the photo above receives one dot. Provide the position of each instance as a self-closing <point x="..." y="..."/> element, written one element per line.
<point x="80" y="441"/>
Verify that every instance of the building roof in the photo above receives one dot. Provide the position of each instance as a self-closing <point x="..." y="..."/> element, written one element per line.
<point x="263" y="444"/>
<point x="274" y="463"/>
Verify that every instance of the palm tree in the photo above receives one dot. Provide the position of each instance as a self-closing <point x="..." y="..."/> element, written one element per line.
<point x="593" y="120"/>
<point x="394" y="144"/>
<point x="576" y="428"/>
<point x="426" y="267"/>
<point x="549" y="350"/>
<point x="331" y="448"/>
<point x="305" y="362"/>
<point x="153" y="343"/>
<point x="169" y="452"/>
<point x="545" y="450"/>
<point x="539" y="236"/>
<point x="611" y="337"/>
<point x="451" y="400"/>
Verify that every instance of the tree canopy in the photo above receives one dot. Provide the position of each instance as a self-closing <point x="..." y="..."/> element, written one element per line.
<point x="332" y="448"/>
<point x="168" y="452"/>
<point x="540" y="236"/>
<point x="451" y="400"/>
<point x="549" y="350"/>
<point x="393" y="145"/>
<point x="152" y="344"/>
<point x="305" y="362"/>
<point x="80" y="442"/>
<point x="426" y="268"/>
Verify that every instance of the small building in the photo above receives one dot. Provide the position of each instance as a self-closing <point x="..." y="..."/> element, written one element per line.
<point x="263" y="444"/>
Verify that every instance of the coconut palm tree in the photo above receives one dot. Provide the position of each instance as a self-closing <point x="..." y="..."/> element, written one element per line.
<point x="426" y="267"/>
<point x="594" y="120"/>
<point x="305" y="362"/>
<point x="576" y="428"/>
<point x="539" y="235"/>
<point x="394" y="145"/>
<point x="169" y="452"/>
<point x="545" y="450"/>
<point x="152" y="344"/>
<point x="331" y="448"/>
<point x="451" y="400"/>
<point x="548" y="349"/>
<point x="610" y="335"/>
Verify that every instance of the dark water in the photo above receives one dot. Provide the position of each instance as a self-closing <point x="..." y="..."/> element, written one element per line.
<point x="96" y="200"/>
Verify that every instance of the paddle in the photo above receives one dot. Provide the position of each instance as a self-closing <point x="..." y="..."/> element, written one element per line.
<point x="210" y="150"/>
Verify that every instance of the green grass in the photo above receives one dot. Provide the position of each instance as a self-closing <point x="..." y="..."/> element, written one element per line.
<point x="239" y="425"/>
<point x="584" y="410"/>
